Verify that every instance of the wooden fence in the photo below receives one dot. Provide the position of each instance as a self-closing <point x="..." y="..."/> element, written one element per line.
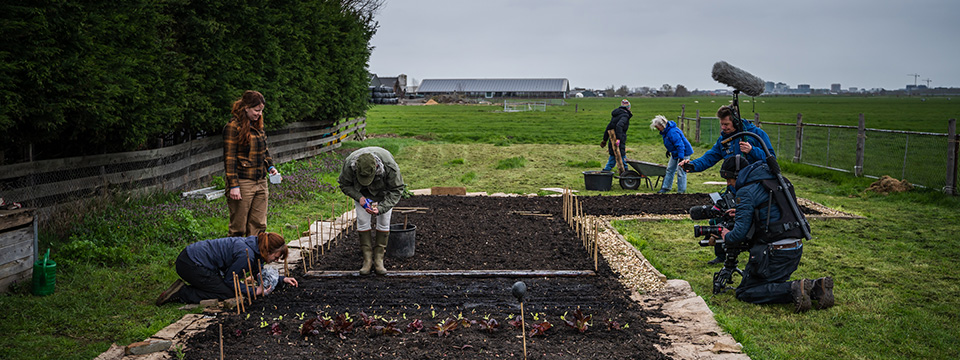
<point x="929" y="159"/>
<point x="44" y="184"/>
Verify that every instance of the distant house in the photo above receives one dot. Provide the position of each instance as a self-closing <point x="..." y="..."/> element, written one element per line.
<point x="397" y="84"/>
<point x="496" y="88"/>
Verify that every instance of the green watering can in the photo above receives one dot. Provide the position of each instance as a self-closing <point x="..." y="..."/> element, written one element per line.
<point x="44" y="275"/>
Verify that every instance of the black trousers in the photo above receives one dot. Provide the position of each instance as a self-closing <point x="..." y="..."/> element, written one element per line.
<point x="203" y="283"/>
<point x="766" y="274"/>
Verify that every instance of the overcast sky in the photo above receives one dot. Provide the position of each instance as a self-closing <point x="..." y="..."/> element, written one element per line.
<point x="603" y="43"/>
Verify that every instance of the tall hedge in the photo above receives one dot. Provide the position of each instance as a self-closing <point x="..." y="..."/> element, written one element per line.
<point x="99" y="76"/>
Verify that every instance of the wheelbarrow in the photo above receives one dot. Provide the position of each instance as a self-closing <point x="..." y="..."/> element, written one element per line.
<point x="642" y="171"/>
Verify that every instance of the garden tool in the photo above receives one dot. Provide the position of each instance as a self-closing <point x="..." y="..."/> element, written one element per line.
<point x="366" y="246"/>
<point x="380" y="247"/>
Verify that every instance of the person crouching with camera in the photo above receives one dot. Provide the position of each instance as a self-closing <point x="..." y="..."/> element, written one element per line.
<point x="774" y="252"/>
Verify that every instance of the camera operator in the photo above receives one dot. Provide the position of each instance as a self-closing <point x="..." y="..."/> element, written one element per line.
<point x="774" y="256"/>
<point x="748" y="147"/>
<point x="724" y="149"/>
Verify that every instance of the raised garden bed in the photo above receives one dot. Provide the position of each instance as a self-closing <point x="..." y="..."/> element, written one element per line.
<point x="460" y="233"/>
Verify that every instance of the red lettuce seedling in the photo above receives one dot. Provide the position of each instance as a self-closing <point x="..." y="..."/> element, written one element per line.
<point x="415" y="326"/>
<point x="489" y="325"/>
<point x="342" y="326"/>
<point x="367" y="321"/>
<point x="275" y="329"/>
<point x="579" y="322"/>
<point x="313" y="326"/>
<point x="612" y="325"/>
<point x="518" y="323"/>
<point x="238" y="333"/>
<point x="540" y="329"/>
<point x="390" y="328"/>
<point x="444" y="328"/>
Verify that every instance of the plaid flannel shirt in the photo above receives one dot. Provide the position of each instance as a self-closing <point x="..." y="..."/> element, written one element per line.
<point x="251" y="161"/>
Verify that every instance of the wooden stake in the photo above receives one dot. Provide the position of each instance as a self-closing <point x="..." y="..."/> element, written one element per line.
<point x="260" y="273"/>
<point x="523" y="325"/>
<point x="596" y="248"/>
<point x="236" y="292"/>
<point x="404" y="221"/>
<point x="286" y="269"/>
<point x="221" y="341"/>
<point x="251" y="271"/>
<point x="245" y="288"/>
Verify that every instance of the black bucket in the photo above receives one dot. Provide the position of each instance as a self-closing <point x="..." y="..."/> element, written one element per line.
<point x="598" y="180"/>
<point x="402" y="242"/>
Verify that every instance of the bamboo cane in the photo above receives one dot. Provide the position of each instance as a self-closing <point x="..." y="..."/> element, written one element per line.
<point x="251" y="271"/>
<point x="596" y="248"/>
<point x="236" y="292"/>
<point x="260" y="273"/>
<point x="286" y="270"/>
<point x="404" y="221"/>
<point x="247" y="289"/>
<point x="221" y="341"/>
<point x="523" y="327"/>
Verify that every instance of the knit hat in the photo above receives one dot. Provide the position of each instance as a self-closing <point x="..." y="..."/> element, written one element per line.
<point x="625" y="102"/>
<point x="732" y="166"/>
<point x="366" y="169"/>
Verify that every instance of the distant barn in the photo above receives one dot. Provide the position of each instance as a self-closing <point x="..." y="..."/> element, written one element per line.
<point x="497" y="88"/>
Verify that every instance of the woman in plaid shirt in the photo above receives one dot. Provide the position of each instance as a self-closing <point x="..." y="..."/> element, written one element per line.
<point x="246" y="163"/>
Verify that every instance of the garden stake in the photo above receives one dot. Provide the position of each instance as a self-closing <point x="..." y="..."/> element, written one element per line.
<point x="221" y="341"/>
<point x="245" y="288"/>
<point x="251" y="270"/>
<point x="404" y="221"/>
<point x="260" y="273"/>
<point x="596" y="247"/>
<point x="236" y="292"/>
<point x="286" y="270"/>
<point x="333" y="212"/>
<point x="519" y="289"/>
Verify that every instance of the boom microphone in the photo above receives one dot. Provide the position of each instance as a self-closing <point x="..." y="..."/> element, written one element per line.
<point x="738" y="79"/>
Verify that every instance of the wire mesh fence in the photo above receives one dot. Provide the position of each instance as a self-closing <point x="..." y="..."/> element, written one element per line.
<point x="919" y="157"/>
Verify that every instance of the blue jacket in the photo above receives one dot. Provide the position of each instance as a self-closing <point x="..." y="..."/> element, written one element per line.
<point x="228" y="255"/>
<point x="619" y="123"/>
<point x="721" y="151"/>
<point x="750" y="195"/>
<point x="677" y="144"/>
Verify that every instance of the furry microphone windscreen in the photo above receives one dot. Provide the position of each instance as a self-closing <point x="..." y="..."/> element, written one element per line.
<point x="738" y="79"/>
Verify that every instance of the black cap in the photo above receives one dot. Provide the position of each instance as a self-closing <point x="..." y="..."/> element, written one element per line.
<point x="732" y="165"/>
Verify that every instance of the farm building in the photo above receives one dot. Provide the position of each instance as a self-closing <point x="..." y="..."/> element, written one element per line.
<point x="496" y="88"/>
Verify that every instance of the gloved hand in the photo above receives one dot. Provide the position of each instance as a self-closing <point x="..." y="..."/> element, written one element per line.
<point x="667" y="153"/>
<point x="603" y="144"/>
<point x="687" y="166"/>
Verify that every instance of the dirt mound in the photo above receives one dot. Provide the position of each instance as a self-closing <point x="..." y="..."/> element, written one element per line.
<point x="887" y="185"/>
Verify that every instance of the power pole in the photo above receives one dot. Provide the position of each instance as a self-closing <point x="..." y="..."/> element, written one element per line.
<point x="915" y="77"/>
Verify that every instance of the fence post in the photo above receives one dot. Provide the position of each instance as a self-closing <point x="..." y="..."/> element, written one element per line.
<point x="799" y="144"/>
<point x="697" y="137"/>
<point x="683" y="109"/>
<point x="861" y="140"/>
<point x="952" y="147"/>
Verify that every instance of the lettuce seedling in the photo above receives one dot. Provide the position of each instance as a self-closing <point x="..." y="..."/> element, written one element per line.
<point x="390" y="328"/>
<point x="518" y="323"/>
<point x="490" y="325"/>
<point x="275" y="329"/>
<point x="540" y="329"/>
<point x="579" y="322"/>
<point x="415" y="326"/>
<point x="342" y="325"/>
<point x="367" y="321"/>
<point x="445" y="328"/>
<point x="612" y="324"/>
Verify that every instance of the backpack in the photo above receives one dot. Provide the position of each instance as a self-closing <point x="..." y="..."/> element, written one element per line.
<point x="789" y="226"/>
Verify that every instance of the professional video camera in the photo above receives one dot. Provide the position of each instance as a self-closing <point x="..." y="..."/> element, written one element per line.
<point x="717" y="214"/>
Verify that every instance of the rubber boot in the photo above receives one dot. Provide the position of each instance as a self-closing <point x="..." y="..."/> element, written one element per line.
<point x="379" y="249"/>
<point x="823" y="292"/>
<point x="800" y="290"/>
<point x="366" y="247"/>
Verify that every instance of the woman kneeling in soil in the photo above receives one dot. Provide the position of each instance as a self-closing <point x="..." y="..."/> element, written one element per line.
<point x="208" y="266"/>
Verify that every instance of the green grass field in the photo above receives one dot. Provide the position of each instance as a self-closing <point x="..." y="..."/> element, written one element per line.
<point x="897" y="288"/>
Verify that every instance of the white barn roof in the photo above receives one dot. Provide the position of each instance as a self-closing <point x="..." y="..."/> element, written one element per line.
<point x="493" y="85"/>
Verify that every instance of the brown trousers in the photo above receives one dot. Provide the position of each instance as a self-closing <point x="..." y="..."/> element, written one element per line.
<point x="248" y="216"/>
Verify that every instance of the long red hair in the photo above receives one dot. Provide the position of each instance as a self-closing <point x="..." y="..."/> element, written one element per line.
<point x="249" y="99"/>
<point x="269" y="243"/>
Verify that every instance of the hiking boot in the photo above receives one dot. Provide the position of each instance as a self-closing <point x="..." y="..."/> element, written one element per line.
<point x="800" y="290"/>
<point x="717" y="260"/>
<point x="823" y="292"/>
<point x="662" y="191"/>
<point x="380" y="248"/>
<point x="366" y="247"/>
<point x="171" y="293"/>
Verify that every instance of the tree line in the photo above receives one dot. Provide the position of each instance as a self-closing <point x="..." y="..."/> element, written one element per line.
<point x="101" y="76"/>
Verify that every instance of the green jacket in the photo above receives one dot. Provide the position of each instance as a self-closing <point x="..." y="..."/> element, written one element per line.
<point x="387" y="185"/>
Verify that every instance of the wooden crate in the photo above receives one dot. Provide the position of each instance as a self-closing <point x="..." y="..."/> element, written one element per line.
<point x="17" y="247"/>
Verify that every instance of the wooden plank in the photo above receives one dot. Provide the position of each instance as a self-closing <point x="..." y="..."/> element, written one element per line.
<point x="20" y="269"/>
<point x="448" y="190"/>
<point x="16" y="244"/>
<point x="14" y="218"/>
<point x="316" y="274"/>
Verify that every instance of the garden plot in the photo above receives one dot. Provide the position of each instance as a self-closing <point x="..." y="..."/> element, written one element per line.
<point x="436" y="317"/>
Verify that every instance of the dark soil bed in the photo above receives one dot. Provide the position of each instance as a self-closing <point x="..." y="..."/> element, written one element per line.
<point x="460" y="233"/>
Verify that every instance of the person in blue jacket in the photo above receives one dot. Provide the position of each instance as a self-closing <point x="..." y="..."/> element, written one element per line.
<point x="206" y="268"/>
<point x="772" y="261"/>
<point x="619" y="123"/>
<point x="678" y="148"/>
<point x="745" y="145"/>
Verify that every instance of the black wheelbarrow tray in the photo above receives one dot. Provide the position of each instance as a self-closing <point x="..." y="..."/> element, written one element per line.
<point x="642" y="170"/>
